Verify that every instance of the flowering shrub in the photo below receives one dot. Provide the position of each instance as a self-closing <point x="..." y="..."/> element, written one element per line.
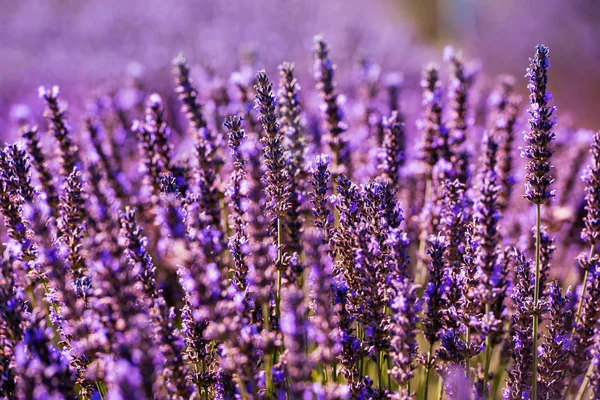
<point x="275" y="251"/>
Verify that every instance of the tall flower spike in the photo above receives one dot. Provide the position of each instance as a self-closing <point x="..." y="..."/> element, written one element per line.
<point x="137" y="255"/>
<point x="392" y="157"/>
<point x="434" y="292"/>
<point x="292" y="125"/>
<point x="55" y="114"/>
<point x="238" y="243"/>
<point x="188" y="93"/>
<point x="404" y="308"/>
<point x="148" y="155"/>
<point x="13" y="314"/>
<point x="277" y="175"/>
<point x="507" y="105"/>
<point x="32" y="138"/>
<point x="486" y="212"/>
<point x="434" y="138"/>
<point x="155" y="116"/>
<point x="519" y="375"/>
<point x="537" y="151"/>
<point x="11" y="201"/>
<point x="555" y="350"/>
<point x="458" y="92"/>
<point x="591" y="232"/>
<point x="71" y="224"/>
<point x="320" y="183"/>
<point x="324" y="71"/>
<point x="454" y="219"/>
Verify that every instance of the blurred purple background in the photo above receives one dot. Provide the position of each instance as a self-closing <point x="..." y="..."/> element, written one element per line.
<point x="82" y="44"/>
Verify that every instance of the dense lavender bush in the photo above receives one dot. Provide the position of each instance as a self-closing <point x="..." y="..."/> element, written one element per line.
<point x="269" y="247"/>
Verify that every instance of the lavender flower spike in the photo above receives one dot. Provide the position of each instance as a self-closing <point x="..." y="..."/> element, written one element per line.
<point x="277" y="176"/>
<point x="538" y="152"/>
<point x="238" y="243"/>
<point x="393" y="157"/>
<point x="324" y="75"/>
<point x="591" y="232"/>
<point x="519" y="382"/>
<point x="55" y="113"/>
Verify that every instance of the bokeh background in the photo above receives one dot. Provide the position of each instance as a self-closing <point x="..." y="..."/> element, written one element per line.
<point x="83" y="44"/>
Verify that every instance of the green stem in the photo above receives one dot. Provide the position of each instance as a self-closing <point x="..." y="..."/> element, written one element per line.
<point x="279" y="258"/>
<point x="334" y="371"/>
<point x="488" y="356"/>
<point x="379" y="367"/>
<point x="360" y="334"/>
<point x="268" y="356"/>
<point x="389" y="377"/>
<point x="441" y="391"/>
<point x="468" y="340"/>
<point x="586" y="381"/>
<point x="538" y="218"/>
<point x="427" y="371"/>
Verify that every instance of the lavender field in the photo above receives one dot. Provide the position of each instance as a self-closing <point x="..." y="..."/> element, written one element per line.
<point x="262" y="211"/>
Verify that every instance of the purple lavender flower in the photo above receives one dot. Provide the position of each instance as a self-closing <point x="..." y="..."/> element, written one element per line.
<point x="335" y="127"/>
<point x="238" y="243"/>
<point x="14" y="312"/>
<point x="392" y="157"/>
<point x="591" y="232"/>
<point x="538" y="152"/>
<point x="554" y="353"/>
<point x="11" y="201"/>
<point x="55" y="113"/>
<point x="320" y="182"/>
<point x="454" y="218"/>
<point x="292" y="125"/>
<point x="519" y="375"/>
<point x="277" y="177"/>
<point x="434" y="135"/>
<point x="188" y="94"/>
<point x="403" y="345"/>
<point x="506" y="107"/>
<point x="72" y="228"/>
<point x="31" y="136"/>
<point x="461" y="80"/>
<point x="434" y="296"/>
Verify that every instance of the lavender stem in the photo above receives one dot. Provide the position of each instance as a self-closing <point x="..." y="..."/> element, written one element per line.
<point x="538" y="243"/>
<point x="427" y="371"/>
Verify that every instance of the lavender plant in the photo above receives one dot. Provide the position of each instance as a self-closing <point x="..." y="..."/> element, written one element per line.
<point x="311" y="245"/>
